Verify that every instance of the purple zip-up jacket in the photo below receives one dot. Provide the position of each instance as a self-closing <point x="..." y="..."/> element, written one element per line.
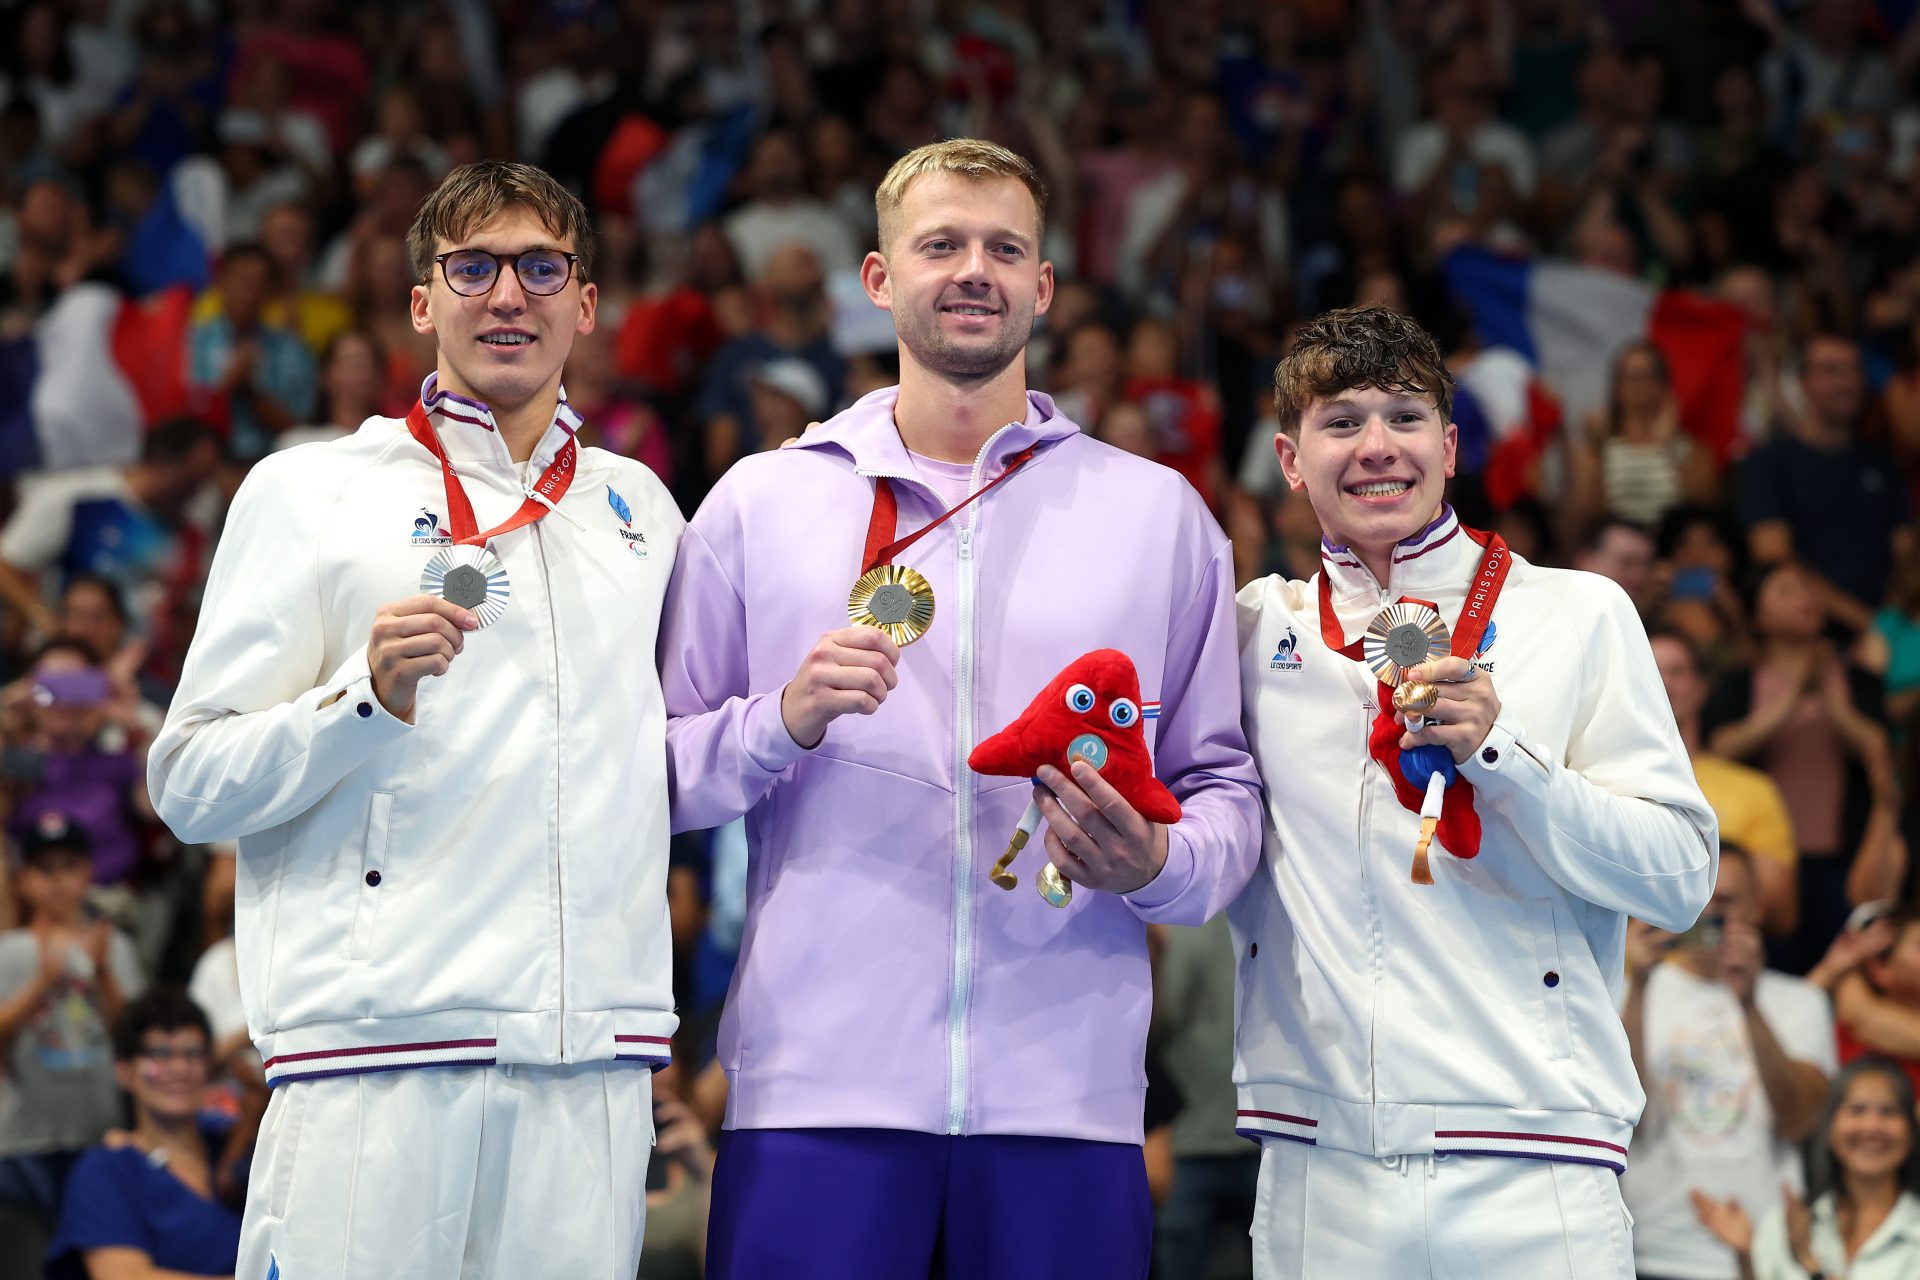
<point x="883" y="981"/>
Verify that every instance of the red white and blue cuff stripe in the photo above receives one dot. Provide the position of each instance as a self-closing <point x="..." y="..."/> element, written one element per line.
<point x="364" y="1059"/>
<point x="1260" y="1125"/>
<point x="655" y="1049"/>
<point x="1530" y="1146"/>
<point x="318" y="1064"/>
<point x="1565" y="1148"/>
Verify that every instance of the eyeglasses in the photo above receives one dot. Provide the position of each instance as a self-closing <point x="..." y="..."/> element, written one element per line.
<point x="165" y="1054"/>
<point x="472" y="273"/>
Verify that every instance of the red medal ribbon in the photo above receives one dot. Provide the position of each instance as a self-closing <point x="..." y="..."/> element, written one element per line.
<point x="1459" y="829"/>
<point x="886" y="511"/>
<point x="552" y="485"/>
<point x="1495" y="563"/>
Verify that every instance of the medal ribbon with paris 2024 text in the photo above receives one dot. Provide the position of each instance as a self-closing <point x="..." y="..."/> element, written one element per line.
<point x="886" y="512"/>
<point x="1459" y="828"/>
<point x="1488" y="579"/>
<point x="552" y="486"/>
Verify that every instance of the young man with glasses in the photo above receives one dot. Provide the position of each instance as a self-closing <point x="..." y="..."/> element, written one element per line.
<point x="413" y="679"/>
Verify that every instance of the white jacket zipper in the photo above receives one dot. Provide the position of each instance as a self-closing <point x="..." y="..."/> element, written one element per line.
<point x="961" y="988"/>
<point x="1376" y="939"/>
<point x="559" y="779"/>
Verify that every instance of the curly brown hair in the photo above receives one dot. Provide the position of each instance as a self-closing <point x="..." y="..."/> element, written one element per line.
<point x="1353" y="347"/>
<point x="475" y="194"/>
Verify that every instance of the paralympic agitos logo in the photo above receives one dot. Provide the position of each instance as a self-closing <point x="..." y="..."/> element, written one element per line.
<point x="636" y="540"/>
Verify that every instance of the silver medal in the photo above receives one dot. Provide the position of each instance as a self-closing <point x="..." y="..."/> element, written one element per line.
<point x="472" y="578"/>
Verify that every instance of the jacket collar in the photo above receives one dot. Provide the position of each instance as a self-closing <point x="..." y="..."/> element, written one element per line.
<point x="1902" y="1223"/>
<point x="468" y="432"/>
<point x="865" y="432"/>
<point x="1438" y="558"/>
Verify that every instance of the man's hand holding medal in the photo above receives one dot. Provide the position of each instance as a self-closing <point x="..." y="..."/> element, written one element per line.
<point x="1463" y="709"/>
<point x="1430" y="688"/>
<point x="847" y="672"/>
<point x="850" y="670"/>
<point x="413" y="639"/>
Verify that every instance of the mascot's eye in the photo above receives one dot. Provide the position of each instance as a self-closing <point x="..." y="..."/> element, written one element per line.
<point x="1124" y="713"/>
<point x="1079" y="698"/>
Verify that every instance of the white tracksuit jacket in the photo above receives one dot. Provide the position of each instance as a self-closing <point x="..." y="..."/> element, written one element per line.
<point x="488" y="884"/>
<point x="1478" y="1014"/>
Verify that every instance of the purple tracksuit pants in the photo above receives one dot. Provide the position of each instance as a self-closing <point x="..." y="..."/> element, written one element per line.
<point x="882" y="1204"/>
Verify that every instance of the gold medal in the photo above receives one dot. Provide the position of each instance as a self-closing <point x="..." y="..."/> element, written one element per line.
<point x="895" y="599"/>
<point x="1054" y="887"/>
<point x="1415" y="697"/>
<point x="1404" y="635"/>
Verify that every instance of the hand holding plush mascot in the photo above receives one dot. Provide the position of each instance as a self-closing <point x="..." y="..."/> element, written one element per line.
<point x="1090" y="711"/>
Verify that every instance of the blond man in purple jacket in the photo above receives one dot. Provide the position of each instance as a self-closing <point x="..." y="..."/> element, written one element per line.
<point x="930" y="1075"/>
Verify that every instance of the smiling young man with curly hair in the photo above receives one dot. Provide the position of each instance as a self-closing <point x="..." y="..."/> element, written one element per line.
<point x="1428" y="1044"/>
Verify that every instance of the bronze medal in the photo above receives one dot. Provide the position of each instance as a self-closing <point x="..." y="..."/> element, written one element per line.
<point x="1403" y="636"/>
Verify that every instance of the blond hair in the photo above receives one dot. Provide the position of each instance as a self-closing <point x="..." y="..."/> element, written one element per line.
<point x="973" y="158"/>
<point x="475" y="194"/>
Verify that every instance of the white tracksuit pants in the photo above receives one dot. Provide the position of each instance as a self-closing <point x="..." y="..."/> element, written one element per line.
<point x="519" y="1173"/>
<point x="1323" y="1214"/>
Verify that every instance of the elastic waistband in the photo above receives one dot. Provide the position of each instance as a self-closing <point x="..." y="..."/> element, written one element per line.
<point x="1290" y="1114"/>
<point x="466" y="1038"/>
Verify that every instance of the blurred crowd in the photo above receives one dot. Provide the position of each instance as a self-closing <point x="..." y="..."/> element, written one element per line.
<point x="202" y="212"/>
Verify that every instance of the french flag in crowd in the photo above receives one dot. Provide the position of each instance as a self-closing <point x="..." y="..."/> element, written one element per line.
<point x="108" y="360"/>
<point x="1506" y="420"/>
<point x="1568" y="322"/>
<point x="94" y="373"/>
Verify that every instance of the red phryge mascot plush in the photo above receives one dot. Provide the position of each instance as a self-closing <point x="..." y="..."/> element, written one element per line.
<point x="1091" y="711"/>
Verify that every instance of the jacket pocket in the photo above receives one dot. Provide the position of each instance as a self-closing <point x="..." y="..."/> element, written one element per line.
<point x="285" y="1113"/>
<point x="1555" y="1011"/>
<point x="373" y="857"/>
<point x="1247" y="920"/>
